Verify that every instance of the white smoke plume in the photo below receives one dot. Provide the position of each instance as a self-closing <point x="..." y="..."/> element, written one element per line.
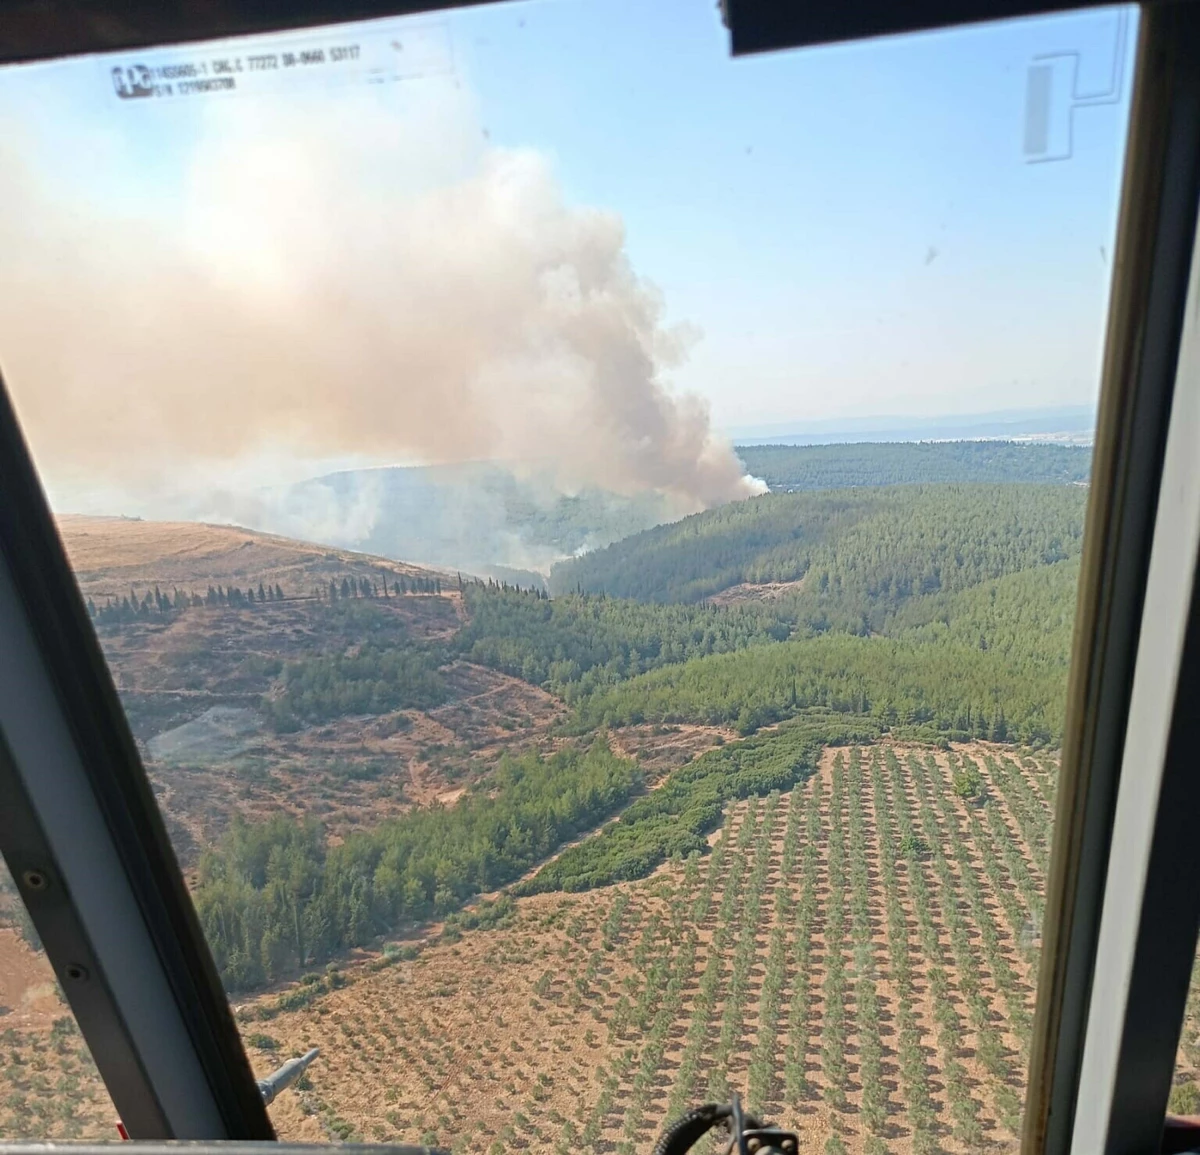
<point x="344" y="280"/>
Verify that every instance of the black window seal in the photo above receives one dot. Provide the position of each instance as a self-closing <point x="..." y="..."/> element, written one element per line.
<point x="769" y="25"/>
<point x="1157" y="224"/>
<point x="51" y="29"/>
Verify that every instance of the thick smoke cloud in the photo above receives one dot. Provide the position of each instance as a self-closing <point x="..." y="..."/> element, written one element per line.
<point x="344" y="281"/>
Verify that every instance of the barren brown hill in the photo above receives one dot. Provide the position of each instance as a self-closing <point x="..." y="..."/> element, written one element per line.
<point x="110" y="554"/>
<point x="195" y="682"/>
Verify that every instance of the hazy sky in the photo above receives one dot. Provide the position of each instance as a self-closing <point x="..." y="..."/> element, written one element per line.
<point x="806" y="235"/>
<point x="789" y="204"/>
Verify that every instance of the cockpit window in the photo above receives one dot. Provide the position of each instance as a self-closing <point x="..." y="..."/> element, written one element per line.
<point x="585" y="532"/>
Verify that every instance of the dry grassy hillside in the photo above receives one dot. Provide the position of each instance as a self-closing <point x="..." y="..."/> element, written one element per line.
<point x="193" y="683"/>
<point x="193" y="688"/>
<point x="110" y="554"/>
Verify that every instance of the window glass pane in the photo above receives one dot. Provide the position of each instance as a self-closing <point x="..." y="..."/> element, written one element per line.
<point x="49" y="1085"/>
<point x="471" y="429"/>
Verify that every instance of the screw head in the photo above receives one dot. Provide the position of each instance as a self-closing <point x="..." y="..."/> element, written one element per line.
<point x="35" y="879"/>
<point x="76" y="972"/>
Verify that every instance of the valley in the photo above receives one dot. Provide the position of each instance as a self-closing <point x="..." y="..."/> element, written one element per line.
<point x="759" y="799"/>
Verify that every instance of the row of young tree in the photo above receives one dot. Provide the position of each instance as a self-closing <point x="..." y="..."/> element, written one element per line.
<point x="696" y="1039"/>
<point x="134" y="606"/>
<point x="757" y="848"/>
<point x="275" y="896"/>
<point x="382" y="586"/>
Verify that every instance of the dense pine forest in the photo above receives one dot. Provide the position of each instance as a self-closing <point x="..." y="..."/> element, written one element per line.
<point x="574" y="643"/>
<point x="925" y="612"/>
<point x="274" y="896"/>
<point x="914" y="689"/>
<point x="860" y="553"/>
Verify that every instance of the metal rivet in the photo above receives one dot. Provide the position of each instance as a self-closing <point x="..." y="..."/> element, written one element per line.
<point x="35" y="880"/>
<point x="76" y="972"/>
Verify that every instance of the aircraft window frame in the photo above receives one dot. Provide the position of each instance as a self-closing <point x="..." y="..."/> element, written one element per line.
<point x="1141" y="980"/>
<point x="160" y="1027"/>
<point x="1156" y="230"/>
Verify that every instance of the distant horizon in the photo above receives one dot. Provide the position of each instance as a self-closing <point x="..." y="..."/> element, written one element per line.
<point x="267" y="504"/>
<point x="882" y="429"/>
<point x="1059" y="424"/>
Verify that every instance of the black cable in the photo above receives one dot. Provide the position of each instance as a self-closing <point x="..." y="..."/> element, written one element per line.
<point x="689" y="1129"/>
<point x="682" y="1135"/>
